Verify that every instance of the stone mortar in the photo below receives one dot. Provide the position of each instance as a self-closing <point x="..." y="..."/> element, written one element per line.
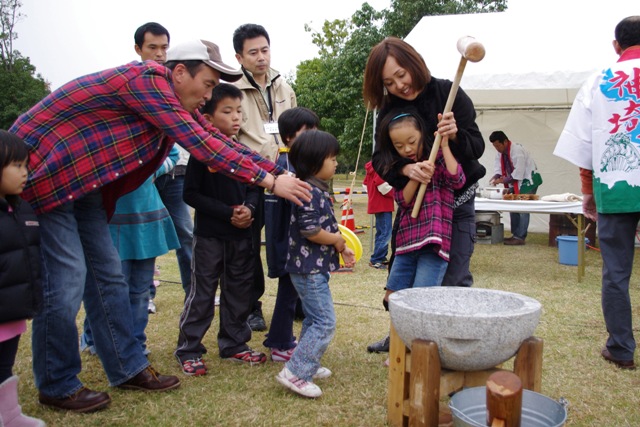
<point x="474" y="328"/>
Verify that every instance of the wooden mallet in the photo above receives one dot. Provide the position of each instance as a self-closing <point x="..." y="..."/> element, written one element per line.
<point x="504" y="400"/>
<point x="470" y="50"/>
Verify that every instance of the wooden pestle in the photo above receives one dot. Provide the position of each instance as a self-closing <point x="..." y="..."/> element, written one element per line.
<point x="504" y="399"/>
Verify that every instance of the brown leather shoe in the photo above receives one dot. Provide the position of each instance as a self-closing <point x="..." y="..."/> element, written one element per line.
<point x="151" y="380"/>
<point x="83" y="400"/>
<point x="514" y="241"/>
<point x="622" y="364"/>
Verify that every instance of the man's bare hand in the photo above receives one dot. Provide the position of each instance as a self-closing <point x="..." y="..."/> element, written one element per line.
<point x="589" y="207"/>
<point x="292" y="189"/>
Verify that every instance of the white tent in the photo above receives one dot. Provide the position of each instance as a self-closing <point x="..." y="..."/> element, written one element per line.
<point x="538" y="54"/>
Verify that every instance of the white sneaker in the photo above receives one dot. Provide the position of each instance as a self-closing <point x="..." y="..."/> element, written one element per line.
<point x="152" y="307"/>
<point x="322" y="373"/>
<point x="298" y="385"/>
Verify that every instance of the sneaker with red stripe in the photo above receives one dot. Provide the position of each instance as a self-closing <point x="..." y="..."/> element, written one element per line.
<point x="298" y="385"/>
<point x="194" y="367"/>
<point x="279" y="355"/>
<point x="248" y="356"/>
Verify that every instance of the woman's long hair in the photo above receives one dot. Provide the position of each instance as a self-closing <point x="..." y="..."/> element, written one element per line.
<point x="373" y="90"/>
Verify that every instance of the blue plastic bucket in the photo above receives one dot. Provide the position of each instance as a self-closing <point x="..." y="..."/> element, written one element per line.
<point x="568" y="249"/>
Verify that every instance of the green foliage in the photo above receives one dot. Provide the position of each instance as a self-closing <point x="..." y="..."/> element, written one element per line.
<point x="20" y="87"/>
<point x="332" y="38"/>
<point x="331" y="84"/>
<point x="406" y="14"/>
<point x="9" y="16"/>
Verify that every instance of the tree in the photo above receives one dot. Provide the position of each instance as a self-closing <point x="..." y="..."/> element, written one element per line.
<point x="331" y="84"/>
<point x="20" y="87"/>
<point x="405" y="14"/>
<point x="9" y="16"/>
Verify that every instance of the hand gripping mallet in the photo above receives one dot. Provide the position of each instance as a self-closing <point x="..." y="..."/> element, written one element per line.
<point x="470" y="50"/>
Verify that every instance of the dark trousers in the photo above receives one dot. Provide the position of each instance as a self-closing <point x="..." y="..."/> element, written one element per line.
<point x="8" y="351"/>
<point x="462" y="243"/>
<point x="229" y="263"/>
<point x="280" y="334"/>
<point x="170" y="189"/>
<point x="616" y="233"/>
<point x="256" y="235"/>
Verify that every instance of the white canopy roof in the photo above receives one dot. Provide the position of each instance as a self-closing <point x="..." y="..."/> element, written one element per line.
<point x="538" y="54"/>
<point x="535" y="44"/>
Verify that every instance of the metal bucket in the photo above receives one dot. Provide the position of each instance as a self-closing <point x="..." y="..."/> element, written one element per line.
<point x="469" y="409"/>
<point x="490" y="217"/>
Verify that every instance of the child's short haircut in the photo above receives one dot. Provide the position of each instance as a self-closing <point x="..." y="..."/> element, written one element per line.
<point x="12" y="149"/>
<point x="294" y="119"/>
<point x="220" y="92"/>
<point x="312" y="147"/>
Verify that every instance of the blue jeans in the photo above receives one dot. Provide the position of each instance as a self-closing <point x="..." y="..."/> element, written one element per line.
<point x="383" y="235"/>
<point x="170" y="189"/>
<point x="417" y="269"/>
<point x="81" y="264"/>
<point x="318" y="326"/>
<point x="520" y="221"/>
<point x="519" y="224"/>
<point x="137" y="274"/>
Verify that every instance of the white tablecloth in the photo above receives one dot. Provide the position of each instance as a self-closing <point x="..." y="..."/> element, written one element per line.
<point x="530" y="206"/>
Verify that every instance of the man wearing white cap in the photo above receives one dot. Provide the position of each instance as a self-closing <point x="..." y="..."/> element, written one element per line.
<point x="91" y="141"/>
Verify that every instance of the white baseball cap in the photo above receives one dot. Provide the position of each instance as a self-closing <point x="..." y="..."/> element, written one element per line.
<point x="207" y="52"/>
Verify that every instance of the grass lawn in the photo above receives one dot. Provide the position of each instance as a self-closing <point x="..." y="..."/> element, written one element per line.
<point x="235" y="395"/>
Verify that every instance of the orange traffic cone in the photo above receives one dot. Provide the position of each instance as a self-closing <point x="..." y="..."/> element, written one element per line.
<point x="348" y="219"/>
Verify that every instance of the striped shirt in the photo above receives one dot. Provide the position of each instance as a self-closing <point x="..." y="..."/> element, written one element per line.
<point x="98" y="129"/>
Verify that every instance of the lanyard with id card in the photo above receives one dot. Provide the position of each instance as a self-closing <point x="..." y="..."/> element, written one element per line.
<point x="271" y="127"/>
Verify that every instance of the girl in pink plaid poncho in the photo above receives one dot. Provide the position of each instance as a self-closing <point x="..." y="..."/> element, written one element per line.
<point x="421" y="245"/>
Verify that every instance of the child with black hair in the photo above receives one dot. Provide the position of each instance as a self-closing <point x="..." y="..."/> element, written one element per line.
<point x="421" y="245"/>
<point x="314" y="245"/>
<point x="20" y="287"/>
<point x="222" y="250"/>
<point x="280" y="339"/>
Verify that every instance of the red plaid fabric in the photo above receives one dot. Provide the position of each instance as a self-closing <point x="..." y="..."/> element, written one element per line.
<point x="119" y="123"/>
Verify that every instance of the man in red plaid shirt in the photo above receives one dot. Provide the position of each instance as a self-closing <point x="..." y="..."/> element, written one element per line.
<point x="91" y="141"/>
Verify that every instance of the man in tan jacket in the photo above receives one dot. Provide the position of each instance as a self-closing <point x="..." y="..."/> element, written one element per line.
<point x="266" y="96"/>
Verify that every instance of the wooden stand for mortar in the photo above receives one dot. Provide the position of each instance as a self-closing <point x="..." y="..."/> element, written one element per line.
<point x="417" y="381"/>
